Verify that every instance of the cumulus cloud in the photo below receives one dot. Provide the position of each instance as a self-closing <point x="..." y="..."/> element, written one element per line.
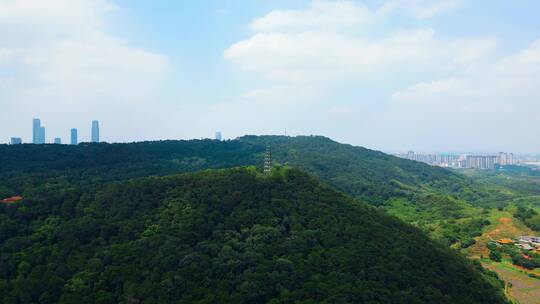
<point x="427" y="90"/>
<point x="492" y="106"/>
<point x="337" y="14"/>
<point x="296" y="46"/>
<point x="421" y="9"/>
<point x="433" y="91"/>
<point x="283" y="94"/>
<point x="319" y="15"/>
<point x="64" y="65"/>
<point x="502" y="80"/>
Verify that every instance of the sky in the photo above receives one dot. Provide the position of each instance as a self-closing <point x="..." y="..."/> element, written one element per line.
<point x="392" y="75"/>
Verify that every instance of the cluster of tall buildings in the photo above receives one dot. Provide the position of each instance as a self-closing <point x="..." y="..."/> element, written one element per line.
<point x="480" y="161"/>
<point x="443" y="160"/>
<point x="462" y="160"/>
<point x="38" y="134"/>
<point x="505" y="159"/>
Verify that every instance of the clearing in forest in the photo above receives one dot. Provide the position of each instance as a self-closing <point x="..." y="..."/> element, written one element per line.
<point x="524" y="288"/>
<point x="503" y="225"/>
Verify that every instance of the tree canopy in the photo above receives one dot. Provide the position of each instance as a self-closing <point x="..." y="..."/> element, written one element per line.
<point x="222" y="236"/>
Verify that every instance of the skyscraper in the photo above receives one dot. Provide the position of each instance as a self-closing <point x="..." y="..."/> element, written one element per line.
<point x="36" y="130"/>
<point x="218" y="135"/>
<point x="41" y="135"/>
<point x="74" y="140"/>
<point x="16" y="141"/>
<point x="95" y="131"/>
<point x="58" y="141"/>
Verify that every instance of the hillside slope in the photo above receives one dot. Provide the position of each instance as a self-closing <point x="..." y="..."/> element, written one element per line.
<point x="227" y="236"/>
<point x="370" y="175"/>
<point x="440" y="201"/>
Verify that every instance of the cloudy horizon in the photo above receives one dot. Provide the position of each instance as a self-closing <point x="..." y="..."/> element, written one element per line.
<point x="392" y="75"/>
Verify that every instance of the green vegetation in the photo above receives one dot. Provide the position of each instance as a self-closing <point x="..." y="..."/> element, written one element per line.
<point x="525" y="259"/>
<point x="449" y="206"/>
<point x="223" y="236"/>
<point x="436" y="199"/>
<point x="530" y="261"/>
<point x="454" y="209"/>
<point x="372" y="176"/>
<point x="495" y="256"/>
<point x="529" y="217"/>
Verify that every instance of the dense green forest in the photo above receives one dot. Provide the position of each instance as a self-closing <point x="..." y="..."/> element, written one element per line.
<point x="369" y="175"/>
<point x="218" y="236"/>
<point x="429" y="197"/>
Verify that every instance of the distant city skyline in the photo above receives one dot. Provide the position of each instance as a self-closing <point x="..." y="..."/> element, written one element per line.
<point x="470" y="160"/>
<point x="39" y="135"/>
<point x="444" y="158"/>
<point x="427" y="75"/>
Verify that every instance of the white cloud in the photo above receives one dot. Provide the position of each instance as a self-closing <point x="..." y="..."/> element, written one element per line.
<point x="5" y="55"/>
<point x="462" y="94"/>
<point x="333" y="15"/>
<point x="426" y="90"/>
<point x="499" y="81"/>
<point x="283" y="94"/>
<point x="63" y="61"/>
<point x="321" y="14"/>
<point x="421" y="9"/>
<point x="297" y="47"/>
<point x="339" y="111"/>
<point x="493" y="106"/>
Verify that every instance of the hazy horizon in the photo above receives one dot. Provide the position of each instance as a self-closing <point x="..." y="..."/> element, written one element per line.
<point x="390" y="75"/>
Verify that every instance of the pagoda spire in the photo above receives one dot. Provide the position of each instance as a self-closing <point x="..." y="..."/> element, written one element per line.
<point x="268" y="161"/>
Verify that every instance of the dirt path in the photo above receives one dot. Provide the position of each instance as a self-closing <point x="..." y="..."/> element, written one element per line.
<point x="504" y="227"/>
<point x="525" y="290"/>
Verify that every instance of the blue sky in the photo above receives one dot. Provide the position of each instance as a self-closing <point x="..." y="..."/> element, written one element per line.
<point x="427" y="75"/>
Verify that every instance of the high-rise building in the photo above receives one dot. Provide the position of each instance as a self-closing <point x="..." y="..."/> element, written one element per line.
<point x="74" y="140"/>
<point x="505" y="159"/>
<point x="42" y="135"/>
<point x="36" y="130"/>
<point x="218" y="135"/>
<point x="95" y="131"/>
<point x="501" y="159"/>
<point x="16" y="141"/>
<point x="58" y="141"/>
<point x="481" y="162"/>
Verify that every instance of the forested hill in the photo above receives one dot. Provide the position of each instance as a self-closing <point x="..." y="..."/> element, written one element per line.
<point x="372" y="176"/>
<point x="223" y="236"/>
